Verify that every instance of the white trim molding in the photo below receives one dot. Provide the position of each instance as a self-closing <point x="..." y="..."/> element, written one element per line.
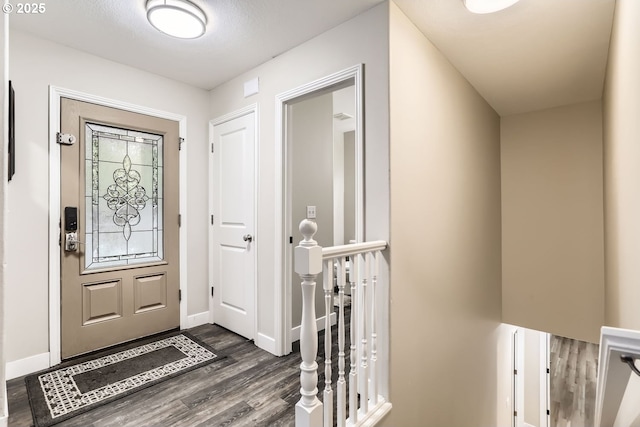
<point x="283" y="226"/>
<point x="26" y="366"/>
<point x="295" y="331"/>
<point x="613" y="374"/>
<point x="545" y="367"/>
<point x="266" y="343"/>
<point x="55" y="93"/>
<point x="197" y="319"/>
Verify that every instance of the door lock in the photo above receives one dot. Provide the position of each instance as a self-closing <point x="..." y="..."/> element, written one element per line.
<point x="71" y="242"/>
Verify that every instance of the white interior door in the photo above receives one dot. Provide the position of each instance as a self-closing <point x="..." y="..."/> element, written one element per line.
<point x="233" y="248"/>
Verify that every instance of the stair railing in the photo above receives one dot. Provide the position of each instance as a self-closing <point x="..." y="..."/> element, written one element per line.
<point x="358" y="401"/>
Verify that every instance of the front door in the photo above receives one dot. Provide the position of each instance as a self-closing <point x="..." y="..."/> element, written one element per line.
<point x="119" y="195"/>
<point x="233" y="248"/>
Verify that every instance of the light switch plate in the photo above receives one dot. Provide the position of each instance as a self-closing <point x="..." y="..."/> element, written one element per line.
<point x="311" y="212"/>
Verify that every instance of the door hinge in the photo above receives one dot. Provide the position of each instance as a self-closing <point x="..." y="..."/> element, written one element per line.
<point x="515" y="372"/>
<point x="179" y="220"/>
<point x="211" y="219"/>
<point x="212" y="147"/>
<point x="65" y="138"/>
<point x="179" y="294"/>
<point x="515" y="413"/>
<point x="212" y="291"/>
<point x="548" y="413"/>
<point x="180" y="142"/>
<point x="291" y="240"/>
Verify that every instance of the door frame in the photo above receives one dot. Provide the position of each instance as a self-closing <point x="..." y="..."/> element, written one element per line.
<point x="283" y="229"/>
<point x="545" y="383"/>
<point x="517" y="378"/>
<point x="253" y="108"/>
<point x="55" y="93"/>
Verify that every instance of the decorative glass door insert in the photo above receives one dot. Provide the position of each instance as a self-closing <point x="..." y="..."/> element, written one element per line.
<point x="123" y="195"/>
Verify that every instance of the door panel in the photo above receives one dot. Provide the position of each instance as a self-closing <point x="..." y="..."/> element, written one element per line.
<point x="122" y="175"/>
<point x="150" y="293"/>
<point x="234" y="251"/>
<point x="101" y="301"/>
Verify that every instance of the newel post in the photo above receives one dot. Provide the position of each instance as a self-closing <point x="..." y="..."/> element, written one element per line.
<point x="308" y="264"/>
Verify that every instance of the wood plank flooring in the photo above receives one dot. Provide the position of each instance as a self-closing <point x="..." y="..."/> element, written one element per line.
<point x="251" y="387"/>
<point x="574" y="365"/>
<point x="248" y="388"/>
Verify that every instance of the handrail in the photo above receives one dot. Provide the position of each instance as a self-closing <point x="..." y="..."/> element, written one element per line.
<point x="353" y="249"/>
<point x="614" y="377"/>
<point x="366" y="405"/>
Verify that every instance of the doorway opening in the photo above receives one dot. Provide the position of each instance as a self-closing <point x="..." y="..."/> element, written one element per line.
<point x="321" y="133"/>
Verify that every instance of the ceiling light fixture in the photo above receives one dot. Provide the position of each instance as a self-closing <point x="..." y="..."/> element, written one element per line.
<point x="488" y="6"/>
<point x="177" y="18"/>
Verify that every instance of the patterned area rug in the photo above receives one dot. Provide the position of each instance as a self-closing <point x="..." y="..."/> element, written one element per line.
<point x="75" y="387"/>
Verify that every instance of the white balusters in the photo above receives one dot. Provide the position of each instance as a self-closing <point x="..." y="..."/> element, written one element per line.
<point x="308" y="264"/>
<point x="364" y="365"/>
<point x="341" y="384"/>
<point x="365" y="403"/>
<point x="328" y="308"/>
<point x="354" y="274"/>
<point x="373" y="382"/>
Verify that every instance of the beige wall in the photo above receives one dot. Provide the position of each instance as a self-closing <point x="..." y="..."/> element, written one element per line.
<point x="552" y="221"/>
<point x="311" y="139"/>
<point x="362" y="40"/>
<point x="36" y="64"/>
<point x="445" y="240"/>
<point x="622" y="168"/>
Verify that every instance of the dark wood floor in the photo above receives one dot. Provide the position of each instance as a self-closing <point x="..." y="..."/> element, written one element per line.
<point x="250" y="387"/>
<point x="573" y="382"/>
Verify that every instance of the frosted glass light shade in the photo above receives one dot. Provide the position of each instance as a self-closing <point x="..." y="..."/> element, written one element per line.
<point x="177" y="18"/>
<point x="488" y="6"/>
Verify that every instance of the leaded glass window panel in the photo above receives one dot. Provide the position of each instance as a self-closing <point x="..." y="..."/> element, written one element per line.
<point x="123" y="197"/>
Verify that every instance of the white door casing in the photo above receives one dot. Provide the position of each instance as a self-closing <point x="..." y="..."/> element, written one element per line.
<point x="55" y="94"/>
<point x="233" y="246"/>
<point x="283" y="227"/>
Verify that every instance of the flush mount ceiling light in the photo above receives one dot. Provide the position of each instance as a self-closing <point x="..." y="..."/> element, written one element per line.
<point x="177" y="18"/>
<point x="488" y="6"/>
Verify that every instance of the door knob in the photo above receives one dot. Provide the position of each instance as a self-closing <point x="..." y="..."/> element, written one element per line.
<point x="247" y="238"/>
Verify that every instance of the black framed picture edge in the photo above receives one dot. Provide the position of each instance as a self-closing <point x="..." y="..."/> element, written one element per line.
<point x="12" y="133"/>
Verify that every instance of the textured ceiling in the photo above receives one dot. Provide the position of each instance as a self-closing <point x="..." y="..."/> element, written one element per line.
<point x="241" y="34"/>
<point x="534" y="55"/>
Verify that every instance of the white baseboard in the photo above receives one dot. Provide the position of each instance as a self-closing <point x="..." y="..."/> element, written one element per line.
<point x="266" y="343"/>
<point x="197" y="319"/>
<point x="295" y="332"/>
<point x="4" y="416"/>
<point x="26" y="366"/>
<point x="375" y="415"/>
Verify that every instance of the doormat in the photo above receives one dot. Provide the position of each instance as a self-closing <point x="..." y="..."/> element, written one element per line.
<point x="60" y="393"/>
